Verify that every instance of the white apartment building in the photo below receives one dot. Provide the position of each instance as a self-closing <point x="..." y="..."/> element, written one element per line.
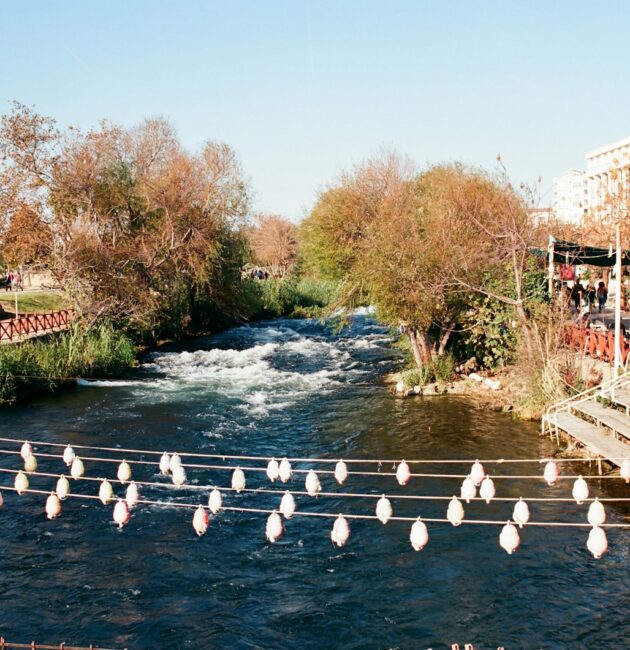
<point x="569" y="198"/>
<point x="607" y="170"/>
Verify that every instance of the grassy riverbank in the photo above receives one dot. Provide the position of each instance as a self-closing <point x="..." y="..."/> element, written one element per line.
<point x="45" y="365"/>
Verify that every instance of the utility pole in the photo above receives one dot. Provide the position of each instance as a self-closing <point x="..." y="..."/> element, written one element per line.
<point x="617" y="365"/>
<point x="552" y="239"/>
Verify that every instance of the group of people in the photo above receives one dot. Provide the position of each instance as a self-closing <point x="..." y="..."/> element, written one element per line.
<point x="588" y="296"/>
<point x="13" y="281"/>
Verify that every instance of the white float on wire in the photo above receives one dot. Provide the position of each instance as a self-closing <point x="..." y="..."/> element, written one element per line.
<point x="124" y="472"/>
<point x="165" y="464"/>
<point x="68" y="455"/>
<point x="312" y="484"/>
<point x="63" y="487"/>
<point x="341" y="472"/>
<point x="384" y="509"/>
<point x="403" y="473"/>
<point x="132" y="495"/>
<point x="201" y="521"/>
<point x="105" y="492"/>
<point x="419" y="535"/>
<point x="215" y="501"/>
<point x="521" y="512"/>
<point x="238" y="480"/>
<point x="580" y="490"/>
<point x="468" y="490"/>
<point x="596" y="513"/>
<point x="477" y="473"/>
<point x="273" y="470"/>
<point x="455" y="511"/>
<point x="597" y="542"/>
<point x="121" y="513"/>
<point x="551" y="473"/>
<point x="53" y="506"/>
<point x="26" y="450"/>
<point x="274" y="527"/>
<point x="509" y="538"/>
<point x="340" y="531"/>
<point x="284" y="471"/>
<point x="77" y="469"/>
<point x="487" y="489"/>
<point x="287" y="505"/>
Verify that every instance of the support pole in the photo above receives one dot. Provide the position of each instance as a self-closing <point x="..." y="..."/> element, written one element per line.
<point x="617" y="364"/>
<point x="550" y="251"/>
<point x="16" y="305"/>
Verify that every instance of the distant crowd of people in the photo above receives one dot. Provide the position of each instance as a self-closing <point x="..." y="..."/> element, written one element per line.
<point x="259" y="274"/>
<point x="585" y="298"/>
<point x="13" y="281"/>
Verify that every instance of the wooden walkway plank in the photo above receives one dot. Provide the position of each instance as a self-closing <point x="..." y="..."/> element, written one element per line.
<point x="613" y="419"/>
<point x="590" y="436"/>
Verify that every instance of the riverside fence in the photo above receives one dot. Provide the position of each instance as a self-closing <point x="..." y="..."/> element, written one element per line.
<point x="17" y="329"/>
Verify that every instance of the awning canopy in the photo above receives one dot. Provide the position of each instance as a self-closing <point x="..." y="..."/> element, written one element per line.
<point x="565" y="252"/>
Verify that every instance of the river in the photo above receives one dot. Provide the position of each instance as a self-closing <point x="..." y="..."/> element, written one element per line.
<point x="295" y="388"/>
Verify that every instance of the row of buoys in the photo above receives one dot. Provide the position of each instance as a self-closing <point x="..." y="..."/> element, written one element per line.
<point x="384" y="511"/>
<point x="172" y="464"/>
<point x="509" y="538"/>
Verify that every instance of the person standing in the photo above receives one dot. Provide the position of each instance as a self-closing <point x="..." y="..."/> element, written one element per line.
<point x="602" y="295"/>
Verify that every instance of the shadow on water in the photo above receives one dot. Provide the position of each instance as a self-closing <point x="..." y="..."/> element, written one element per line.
<point x="295" y="388"/>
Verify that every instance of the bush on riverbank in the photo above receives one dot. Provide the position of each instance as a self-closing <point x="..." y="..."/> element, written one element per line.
<point x="41" y="366"/>
<point x="293" y="297"/>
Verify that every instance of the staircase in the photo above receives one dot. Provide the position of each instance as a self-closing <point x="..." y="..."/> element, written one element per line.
<point x="597" y="419"/>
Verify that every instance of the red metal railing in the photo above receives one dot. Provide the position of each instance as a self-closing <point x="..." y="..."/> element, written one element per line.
<point x="596" y="343"/>
<point x="15" y="329"/>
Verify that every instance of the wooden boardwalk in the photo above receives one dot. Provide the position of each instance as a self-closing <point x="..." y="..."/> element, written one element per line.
<point x="598" y="420"/>
<point x="591" y="436"/>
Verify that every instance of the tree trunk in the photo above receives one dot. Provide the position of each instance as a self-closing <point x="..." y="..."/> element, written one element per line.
<point x="443" y="341"/>
<point x="420" y="346"/>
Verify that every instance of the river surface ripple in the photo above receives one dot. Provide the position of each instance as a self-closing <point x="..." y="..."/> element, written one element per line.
<point x="295" y="388"/>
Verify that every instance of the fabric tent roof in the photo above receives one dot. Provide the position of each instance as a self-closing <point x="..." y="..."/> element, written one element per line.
<point x="565" y="252"/>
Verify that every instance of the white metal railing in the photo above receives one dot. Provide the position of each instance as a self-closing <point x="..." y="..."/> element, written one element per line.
<point x="600" y="389"/>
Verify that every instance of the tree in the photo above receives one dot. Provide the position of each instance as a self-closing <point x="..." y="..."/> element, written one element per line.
<point x="26" y="239"/>
<point x="143" y="230"/>
<point x="274" y="243"/>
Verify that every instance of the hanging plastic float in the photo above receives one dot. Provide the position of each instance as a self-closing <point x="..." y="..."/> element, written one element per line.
<point x="178" y="475"/>
<point x="287" y="505"/>
<point x="124" y="472"/>
<point x="63" y="487"/>
<point x="419" y="535"/>
<point x="551" y="473"/>
<point x="468" y="490"/>
<point x="165" y="464"/>
<point x="455" y="511"/>
<point x="580" y="490"/>
<point x="105" y="492"/>
<point x="238" y="480"/>
<point x="340" y="531"/>
<point x="521" y="512"/>
<point x="477" y="473"/>
<point x="284" y="471"/>
<point x="274" y="527"/>
<point x="312" y="484"/>
<point x="53" y="506"/>
<point x="30" y="464"/>
<point x="77" y="469"/>
<point x="121" y="513"/>
<point x="215" y="501"/>
<point x="26" y="450"/>
<point x="403" y="473"/>
<point x="487" y="490"/>
<point x="509" y="538"/>
<point x="201" y="521"/>
<point x="132" y="495"/>
<point x="273" y="470"/>
<point x="21" y="482"/>
<point x="341" y="472"/>
<point x="597" y="542"/>
<point x="384" y="509"/>
<point x="68" y="455"/>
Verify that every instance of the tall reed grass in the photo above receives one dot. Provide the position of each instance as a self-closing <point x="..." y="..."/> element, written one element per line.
<point x="42" y="366"/>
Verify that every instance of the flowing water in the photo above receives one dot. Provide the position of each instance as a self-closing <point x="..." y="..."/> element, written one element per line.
<point x="295" y="388"/>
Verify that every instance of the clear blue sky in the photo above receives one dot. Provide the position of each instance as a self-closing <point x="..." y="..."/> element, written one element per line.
<point x="302" y="89"/>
